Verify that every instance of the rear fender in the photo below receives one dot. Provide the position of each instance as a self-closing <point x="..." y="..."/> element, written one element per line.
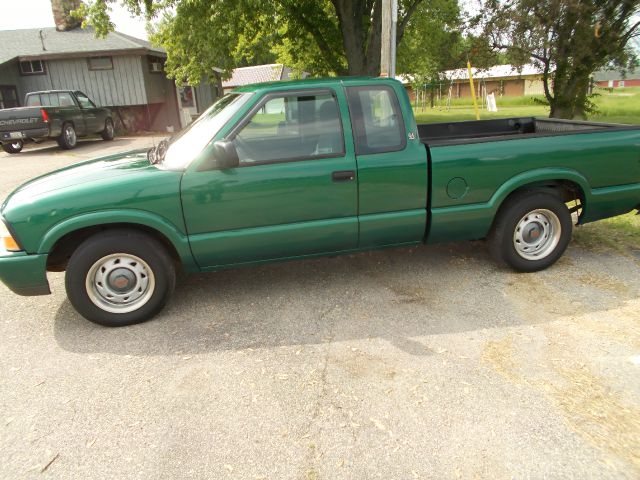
<point x="536" y="176"/>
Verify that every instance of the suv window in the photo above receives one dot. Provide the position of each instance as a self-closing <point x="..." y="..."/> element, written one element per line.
<point x="33" y="101"/>
<point x="84" y="100"/>
<point x="292" y="127"/>
<point x="65" y="99"/>
<point x="377" y="119"/>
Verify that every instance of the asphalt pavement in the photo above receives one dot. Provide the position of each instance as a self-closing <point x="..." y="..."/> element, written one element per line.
<point x="427" y="362"/>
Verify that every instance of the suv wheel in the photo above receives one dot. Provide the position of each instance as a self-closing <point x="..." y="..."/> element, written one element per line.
<point x="13" y="147"/>
<point x="531" y="232"/>
<point x="68" y="138"/>
<point x="119" y="278"/>
<point x="109" y="132"/>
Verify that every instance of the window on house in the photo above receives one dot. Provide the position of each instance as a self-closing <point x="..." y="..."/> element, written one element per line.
<point x="100" y="63"/>
<point x="32" y="67"/>
<point x="156" y="64"/>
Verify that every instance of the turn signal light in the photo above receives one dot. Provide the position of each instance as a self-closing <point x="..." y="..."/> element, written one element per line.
<point x="10" y="244"/>
<point x="7" y="242"/>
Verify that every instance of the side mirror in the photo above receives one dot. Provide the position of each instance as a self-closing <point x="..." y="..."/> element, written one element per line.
<point x="225" y="154"/>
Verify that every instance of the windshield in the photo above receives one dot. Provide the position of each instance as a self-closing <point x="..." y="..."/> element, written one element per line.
<point x="183" y="148"/>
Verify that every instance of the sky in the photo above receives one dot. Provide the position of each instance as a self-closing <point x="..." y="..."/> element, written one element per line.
<point x="18" y="14"/>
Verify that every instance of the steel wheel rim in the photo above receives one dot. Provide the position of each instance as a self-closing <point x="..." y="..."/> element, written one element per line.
<point x="537" y="234"/>
<point x="70" y="135"/>
<point x="109" y="129"/>
<point x="16" y="145"/>
<point x="120" y="283"/>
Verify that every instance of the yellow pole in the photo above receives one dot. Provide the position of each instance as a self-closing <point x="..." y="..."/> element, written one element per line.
<point x="473" y="91"/>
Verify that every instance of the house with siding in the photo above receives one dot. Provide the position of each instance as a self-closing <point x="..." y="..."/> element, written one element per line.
<point x="121" y="72"/>
<point x="501" y="80"/>
<point x="616" y="78"/>
<point x="256" y="74"/>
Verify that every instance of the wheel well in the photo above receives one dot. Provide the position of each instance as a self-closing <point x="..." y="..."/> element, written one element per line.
<point x="65" y="246"/>
<point x="567" y="190"/>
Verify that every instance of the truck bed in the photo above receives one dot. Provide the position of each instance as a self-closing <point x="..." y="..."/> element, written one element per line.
<point x="476" y="131"/>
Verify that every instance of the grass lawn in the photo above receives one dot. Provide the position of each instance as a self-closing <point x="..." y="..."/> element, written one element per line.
<point x="620" y="106"/>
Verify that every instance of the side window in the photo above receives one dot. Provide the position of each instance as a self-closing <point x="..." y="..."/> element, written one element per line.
<point x="292" y="127"/>
<point x="33" y="101"/>
<point x="377" y="120"/>
<point x="84" y="100"/>
<point x="65" y="99"/>
<point x="49" y="100"/>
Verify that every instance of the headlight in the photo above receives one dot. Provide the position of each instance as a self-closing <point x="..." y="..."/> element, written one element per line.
<point x="7" y="242"/>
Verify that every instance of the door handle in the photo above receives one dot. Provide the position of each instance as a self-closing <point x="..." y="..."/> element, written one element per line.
<point x="343" y="176"/>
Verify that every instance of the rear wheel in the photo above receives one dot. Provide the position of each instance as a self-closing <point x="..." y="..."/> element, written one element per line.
<point x="119" y="278"/>
<point x="109" y="132"/>
<point x="68" y="138"/>
<point x="531" y="232"/>
<point x="13" y="147"/>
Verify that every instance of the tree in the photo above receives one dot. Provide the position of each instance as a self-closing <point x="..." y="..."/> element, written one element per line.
<point x="567" y="39"/>
<point x="340" y="37"/>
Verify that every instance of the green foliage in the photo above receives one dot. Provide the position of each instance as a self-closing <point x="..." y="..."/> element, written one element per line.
<point x="321" y="37"/>
<point x="432" y="42"/>
<point x="567" y="39"/>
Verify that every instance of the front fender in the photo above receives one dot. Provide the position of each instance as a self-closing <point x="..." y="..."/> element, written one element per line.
<point x="133" y="217"/>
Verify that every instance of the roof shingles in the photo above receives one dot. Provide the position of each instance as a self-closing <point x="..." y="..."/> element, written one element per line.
<point x="258" y="74"/>
<point x="28" y="43"/>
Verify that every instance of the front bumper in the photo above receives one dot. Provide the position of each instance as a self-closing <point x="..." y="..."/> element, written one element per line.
<point x="24" y="274"/>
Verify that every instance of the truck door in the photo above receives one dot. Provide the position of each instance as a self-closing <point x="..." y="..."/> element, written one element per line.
<point x="392" y="166"/>
<point x="91" y="114"/>
<point x="70" y="111"/>
<point x="294" y="192"/>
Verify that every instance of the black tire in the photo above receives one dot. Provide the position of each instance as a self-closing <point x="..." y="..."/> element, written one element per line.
<point x="531" y="231"/>
<point x="109" y="131"/>
<point x="119" y="256"/>
<point x="13" y="147"/>
<point x="68" y="138"/>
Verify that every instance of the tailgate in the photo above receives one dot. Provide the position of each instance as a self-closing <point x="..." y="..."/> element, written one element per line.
<point x="15" y="121"/>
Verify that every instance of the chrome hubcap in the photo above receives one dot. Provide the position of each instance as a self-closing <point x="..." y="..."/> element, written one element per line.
<point x="120" y="283"/>
<point x="537" y="234"/>
<point x="70" y="134"/>
<point x="16" y="145"/>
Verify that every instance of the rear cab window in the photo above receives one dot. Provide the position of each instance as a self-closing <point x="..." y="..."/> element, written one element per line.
<point x="33" y="101"/>
<point x="376" y="118"/>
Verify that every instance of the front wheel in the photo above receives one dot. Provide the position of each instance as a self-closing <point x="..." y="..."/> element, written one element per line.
<point x="531" y="232"/>
<point x="109" y="132"/>
<point x="119" y="278"/>
<point x="13" y="147"/>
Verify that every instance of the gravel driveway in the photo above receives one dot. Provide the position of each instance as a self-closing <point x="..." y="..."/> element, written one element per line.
<point x="429" y="362"/>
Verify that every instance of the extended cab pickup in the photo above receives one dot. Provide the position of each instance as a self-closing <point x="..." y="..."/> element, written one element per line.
<point x="61" y="115"/>
<point x="289" y="170"/>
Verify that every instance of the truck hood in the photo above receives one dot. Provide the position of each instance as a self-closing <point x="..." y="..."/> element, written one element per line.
<point x="99" y="169"/>
<point x="126" y="182"/>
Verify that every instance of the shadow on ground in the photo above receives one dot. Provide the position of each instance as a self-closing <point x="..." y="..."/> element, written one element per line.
<point x="396" y="295"/>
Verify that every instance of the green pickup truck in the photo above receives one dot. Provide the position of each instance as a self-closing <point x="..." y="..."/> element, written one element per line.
<point x="288" y="170"/>
<point x="60" y="115"/>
